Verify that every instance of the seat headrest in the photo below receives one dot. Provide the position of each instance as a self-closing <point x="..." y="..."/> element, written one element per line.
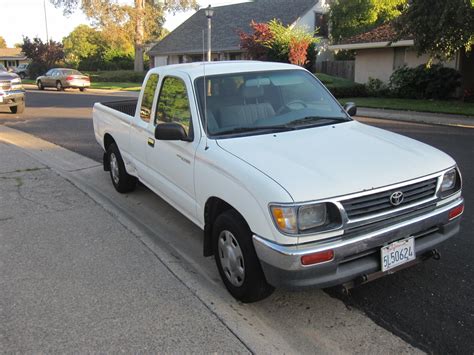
<point x="252" y="92"/>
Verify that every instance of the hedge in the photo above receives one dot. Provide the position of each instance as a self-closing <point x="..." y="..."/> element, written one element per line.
<point x="117" y="76"/>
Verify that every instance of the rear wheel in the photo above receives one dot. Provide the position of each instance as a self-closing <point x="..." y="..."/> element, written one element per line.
<point x="40" y="85"/>
<point x="82" y="89"/>
<point x="59" y="86"/>
<point x="122" y="181"/>
<point x="22" y="75"/>
<point x="236" y="259"/>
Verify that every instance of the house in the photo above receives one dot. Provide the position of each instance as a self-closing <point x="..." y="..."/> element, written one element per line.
<point x="185" y="43"/>
<point x="378" y="54"/>
<point x="12" y="57"/>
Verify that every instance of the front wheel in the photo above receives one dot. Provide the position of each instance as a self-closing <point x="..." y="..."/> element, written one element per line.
<point x="122" y="181"/>
<point x="236" y="259"/>
<point x="40" y="85"/>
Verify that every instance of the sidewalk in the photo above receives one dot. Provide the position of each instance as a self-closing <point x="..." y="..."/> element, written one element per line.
<point x="417" y="117"/>
<point x="73" y="279"/>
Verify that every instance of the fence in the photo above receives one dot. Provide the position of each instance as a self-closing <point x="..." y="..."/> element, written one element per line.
<point x="340" y="68"/>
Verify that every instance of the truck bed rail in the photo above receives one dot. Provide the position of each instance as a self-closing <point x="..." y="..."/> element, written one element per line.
<point x="125" y="106"/>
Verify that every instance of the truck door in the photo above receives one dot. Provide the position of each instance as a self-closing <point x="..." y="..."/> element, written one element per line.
<point x="171" y="163"/>
<point x="140" y="127"/>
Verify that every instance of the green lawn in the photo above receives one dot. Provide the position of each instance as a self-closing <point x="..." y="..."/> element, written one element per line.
<point x="438" y="106"/>
<point x="103" y="85"/>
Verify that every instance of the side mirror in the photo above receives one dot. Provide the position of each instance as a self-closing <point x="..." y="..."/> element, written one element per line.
<point x="350" y="108"/>
<point x="170" y="132"/>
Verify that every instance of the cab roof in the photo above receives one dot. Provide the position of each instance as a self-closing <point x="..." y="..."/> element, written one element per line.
<point x="197" y="69"/>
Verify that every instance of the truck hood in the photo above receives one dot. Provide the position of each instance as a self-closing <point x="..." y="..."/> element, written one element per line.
<point x="330" y="161"/>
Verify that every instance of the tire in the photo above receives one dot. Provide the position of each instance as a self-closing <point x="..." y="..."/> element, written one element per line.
<point x="236" y="259"/>
<point x="82" y="89"/>
<point x="18" y="109"/>
<point x="40" y="85"/>
<point x="122" y="181"/>
<point x="22" y="76"/>
<point x="59" y="86"/>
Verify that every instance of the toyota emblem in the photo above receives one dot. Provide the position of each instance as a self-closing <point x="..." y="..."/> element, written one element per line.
<point x="396" y="198"/>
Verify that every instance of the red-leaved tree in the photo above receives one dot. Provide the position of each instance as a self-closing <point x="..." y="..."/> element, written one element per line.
<point x="255" y="42"/>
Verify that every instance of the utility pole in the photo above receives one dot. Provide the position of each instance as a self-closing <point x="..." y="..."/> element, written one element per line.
<point x="46" y="21"/>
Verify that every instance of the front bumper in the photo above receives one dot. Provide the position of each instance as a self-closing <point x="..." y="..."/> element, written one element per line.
<point x="12" y="98"/>
<point x="356" y="253"/>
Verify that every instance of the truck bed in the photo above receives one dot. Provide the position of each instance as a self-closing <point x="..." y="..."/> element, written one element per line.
<point x="125" y="106"/>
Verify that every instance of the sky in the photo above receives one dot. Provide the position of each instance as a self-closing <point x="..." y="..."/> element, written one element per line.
<point x="26" y="18"/>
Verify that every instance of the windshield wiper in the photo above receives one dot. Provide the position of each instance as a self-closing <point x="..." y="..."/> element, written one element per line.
<point x="276" y="128"/>
<point x="317" y="121"/>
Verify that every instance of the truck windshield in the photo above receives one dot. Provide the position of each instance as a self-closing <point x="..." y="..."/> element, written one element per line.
<point x="265" y="102"/>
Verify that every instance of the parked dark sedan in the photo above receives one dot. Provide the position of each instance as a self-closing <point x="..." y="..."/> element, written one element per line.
<point x="61" y="79"/>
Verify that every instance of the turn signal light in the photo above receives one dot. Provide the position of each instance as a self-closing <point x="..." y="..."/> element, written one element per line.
<point x="456" y="211"/>
<point x="316" y="258"/>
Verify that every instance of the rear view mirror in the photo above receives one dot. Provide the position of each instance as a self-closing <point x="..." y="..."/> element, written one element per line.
<point x="350" y="108"/>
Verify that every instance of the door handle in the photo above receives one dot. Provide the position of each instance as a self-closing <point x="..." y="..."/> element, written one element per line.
<point x="151" y="142"/>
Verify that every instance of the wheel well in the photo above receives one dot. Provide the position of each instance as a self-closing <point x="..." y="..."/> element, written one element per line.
<point x="214" y="207"/>
<point x="108" y="140"/>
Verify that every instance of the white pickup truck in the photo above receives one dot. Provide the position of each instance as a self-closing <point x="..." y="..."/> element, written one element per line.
<point x="288" y="189"/>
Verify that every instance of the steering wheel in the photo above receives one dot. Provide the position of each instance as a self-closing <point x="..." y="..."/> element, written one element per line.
<point x="293" y="105"/>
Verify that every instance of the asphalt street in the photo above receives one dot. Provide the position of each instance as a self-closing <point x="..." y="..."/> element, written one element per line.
<point x="429" y="305"/>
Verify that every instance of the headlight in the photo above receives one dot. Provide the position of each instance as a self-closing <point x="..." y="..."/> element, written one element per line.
<point x="305" y="218"/>
<point x="449" y="180"/>
<point x="451" y="183"/>
<point x="311" y="216"/>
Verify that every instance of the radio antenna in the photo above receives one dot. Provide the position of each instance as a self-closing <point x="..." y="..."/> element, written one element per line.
<point x="204" y="92"/>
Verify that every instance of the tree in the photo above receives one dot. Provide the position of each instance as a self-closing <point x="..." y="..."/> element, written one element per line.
<point x="87" y="48"/>
<point x="43" y="55"/>
<point x="351" y="17"/>
<point x="140" y="22"/>
<point x="276" y="42"/>
<point x="439" y="28"/>
<point x="3" y="43"/>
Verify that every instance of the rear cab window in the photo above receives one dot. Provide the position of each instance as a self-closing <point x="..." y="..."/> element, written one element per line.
<point x="148" y="95"/>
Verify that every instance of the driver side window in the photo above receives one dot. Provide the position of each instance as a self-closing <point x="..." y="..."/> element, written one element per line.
<point x="173" y="104"/>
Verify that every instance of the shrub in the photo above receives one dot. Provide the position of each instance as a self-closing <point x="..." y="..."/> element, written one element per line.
<point x="356" y="90"/>
<point x="377" y="88"/>
<point x="434" y="82"/>
<point x="117" y="76"/>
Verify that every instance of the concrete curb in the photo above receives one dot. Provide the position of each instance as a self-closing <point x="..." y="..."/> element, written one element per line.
<point x="417" y="117"/>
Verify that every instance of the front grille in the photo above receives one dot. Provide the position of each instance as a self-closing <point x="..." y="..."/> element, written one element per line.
<point x="364" y="206"/>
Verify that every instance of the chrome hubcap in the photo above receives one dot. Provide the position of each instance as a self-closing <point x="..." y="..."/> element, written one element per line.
<point x="231" y="258"/>
<point x="114" y="168"/>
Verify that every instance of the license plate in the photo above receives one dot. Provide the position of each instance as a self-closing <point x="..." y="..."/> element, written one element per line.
<point x="397" y="253"/>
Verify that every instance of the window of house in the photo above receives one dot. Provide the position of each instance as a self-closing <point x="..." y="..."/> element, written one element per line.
<point x="321" y="24"/>
<point x="148" y="95"/>
<point x="399" y="57"/>
<point x="173" y="104"/>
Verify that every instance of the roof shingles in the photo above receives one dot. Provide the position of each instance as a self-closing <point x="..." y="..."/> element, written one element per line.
<point x="382" y="33"/>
